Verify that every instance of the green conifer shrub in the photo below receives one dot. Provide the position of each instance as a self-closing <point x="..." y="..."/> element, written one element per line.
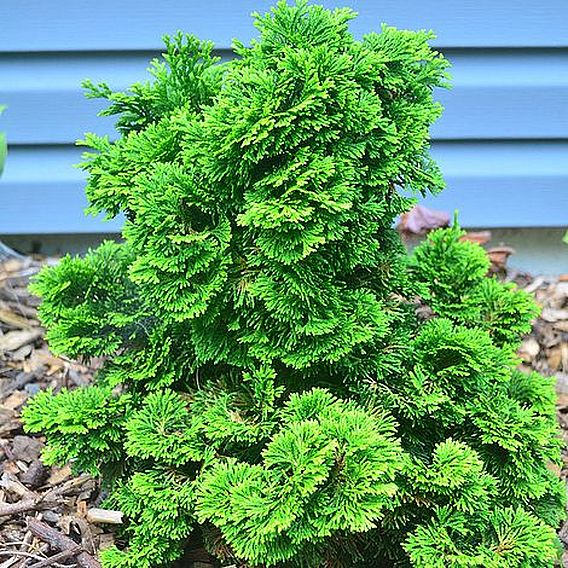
<point x="269" y="386"/>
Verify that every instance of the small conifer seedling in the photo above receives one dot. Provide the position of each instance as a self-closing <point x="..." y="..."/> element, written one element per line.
<point x="269" y="387"/>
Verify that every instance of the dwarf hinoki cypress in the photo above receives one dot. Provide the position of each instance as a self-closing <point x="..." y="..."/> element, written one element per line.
<point x="269" y="387"/>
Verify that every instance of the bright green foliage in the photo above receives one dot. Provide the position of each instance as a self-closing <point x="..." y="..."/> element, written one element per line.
<point x="186" y="75"/>
<point x="85" y="425"/>
<point x="450" y="275"/>
<point x="91" y="308"/>
<point x="162" y="430"/>
<point x="268" y="387"/>
<point x="330" y="468"/>
<point x="162" y="502"/>
<point x="508" y="538"/>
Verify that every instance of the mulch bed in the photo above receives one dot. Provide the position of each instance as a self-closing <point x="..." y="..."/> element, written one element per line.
<point x="50" y="517"/>
<point x="45" y="513"/>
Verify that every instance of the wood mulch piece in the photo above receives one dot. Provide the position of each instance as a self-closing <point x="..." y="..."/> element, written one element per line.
<point x="50" y="517"/>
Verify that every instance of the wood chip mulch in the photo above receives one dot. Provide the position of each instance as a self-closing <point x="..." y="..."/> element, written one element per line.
<point x="50" y="517"/>
<point x="46" y="514"/>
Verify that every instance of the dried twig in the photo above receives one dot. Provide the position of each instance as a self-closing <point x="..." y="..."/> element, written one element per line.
<point x="61" y="542"/>
<point x="13" y="553"/>
<point x="53" y="560"/>
<point x="9" y="509"/>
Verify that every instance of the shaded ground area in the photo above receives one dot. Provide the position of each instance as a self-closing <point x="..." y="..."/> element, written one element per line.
<point x="49" y="517"/>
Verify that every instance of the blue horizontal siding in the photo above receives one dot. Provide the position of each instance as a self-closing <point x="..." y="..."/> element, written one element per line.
<point x="504" y="183"/>
<point x="470" y="112"/>
<point x="501" y="201"/>
<point x="502" y="142"/>
<point x="49" y="208"/>
<point x="520" y="95"/>
<point x="63" y="25"/>
<point x="499" y="184"/>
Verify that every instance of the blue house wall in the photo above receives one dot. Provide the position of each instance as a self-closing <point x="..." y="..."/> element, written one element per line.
<point x="502" y="142"/>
